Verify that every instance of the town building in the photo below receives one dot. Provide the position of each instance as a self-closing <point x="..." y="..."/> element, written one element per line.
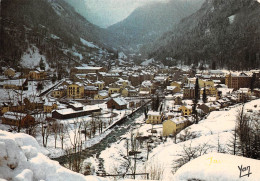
<point x="185" y="110"/>
<point x="238" y="81"/>
<point x="75" y="90"/>
<point x="189" y="91"/>
<point x="37" y="74"/>
<point x="70" y="113"/>
<point x="48" y="107"/>
<point x="18" y="119"/>
<point x="10" y="72"/>
<point x="86" y="70"/>
<point x="114" y="88"/>
<point x="174" y="125"/>
<point x="59" y="92"/>
<point x="101" y="95"/>
<point x="117" y="103"/>
<point x="154" y="117"/>
<point x="90" y="91"/>
<point x="17" y="84"/>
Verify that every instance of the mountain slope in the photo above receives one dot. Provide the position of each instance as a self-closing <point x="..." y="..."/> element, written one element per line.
<point x="149" y="22"/>
<point x="52" y="26"/>
<point x="225" y="32"/>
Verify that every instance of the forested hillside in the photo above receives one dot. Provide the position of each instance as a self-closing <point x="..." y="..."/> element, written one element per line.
<point x="53" y="27"/>
<point x="225" y="33"/>
<point x="149" y="22"/>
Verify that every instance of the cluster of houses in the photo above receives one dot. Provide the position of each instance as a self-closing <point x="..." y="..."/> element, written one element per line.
<point x="222" y="90"/>
<point x="114" y="86"/>
<point x="19" y="81"/>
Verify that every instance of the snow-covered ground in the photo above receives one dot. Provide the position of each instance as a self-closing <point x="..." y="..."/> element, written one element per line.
<point x="22" y="159"/>
<point x="87" y="43"/>
<point x="8" y="94"/>
<point x="31" y="58"/>
<point x="70" y="132"/>
<point x="214" y="133"/>
<point x="218" y="166"/>
<point x="147" y="62"/>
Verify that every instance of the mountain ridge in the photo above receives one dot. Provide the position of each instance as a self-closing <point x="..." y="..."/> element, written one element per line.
<point x="54" y="27"/>
<point x="225" y="32"/>
<point x="147" y="23"/>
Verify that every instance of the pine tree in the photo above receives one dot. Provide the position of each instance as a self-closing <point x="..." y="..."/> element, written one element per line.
<point x="197" y="96"/>
<point x="145" y="112"/>
<point x="157" y="103"/>
<point x="204" y="95"/>
<point x="195" y="101"/>
<point x="39" y="86"/>
<point x="252" y="83"/>
<point x="42" y="64"/>
<point x="153" y="103"/>
<point x="54" y="78"/>
<point x="213" y="65"/>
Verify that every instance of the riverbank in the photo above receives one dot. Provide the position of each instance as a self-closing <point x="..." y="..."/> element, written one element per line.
<point x="121" y="116"/>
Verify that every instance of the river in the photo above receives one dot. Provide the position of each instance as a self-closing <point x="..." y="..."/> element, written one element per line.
<point x="117" y="131"/>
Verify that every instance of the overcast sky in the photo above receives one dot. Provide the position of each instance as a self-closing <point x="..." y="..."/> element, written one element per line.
<point x="108" y="12"/>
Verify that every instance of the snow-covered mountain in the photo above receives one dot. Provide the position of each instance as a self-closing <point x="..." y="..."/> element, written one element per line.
<point x="147" y="23"/>
<point x="53" y="28"/>
<point x="227" y="32"/>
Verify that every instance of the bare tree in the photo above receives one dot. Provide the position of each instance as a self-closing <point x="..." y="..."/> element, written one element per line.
<point x="74" y="153"/>
<point x="100" y="125"/>
<point x="189" y="153"/>
<point x="55" y="130"/>
<point x="221" y="149"/>
<point x="233" y="144"/>
<point x="93" y="126"/>
<point x="75" y="134"/>
<point x="248" y="134"/>
<point x="46" y="131"/>
<point x="187" y="135"/>
<point x="155" y="170"/>
<point x="85" y="126"/>
<point x="61" y="132"/>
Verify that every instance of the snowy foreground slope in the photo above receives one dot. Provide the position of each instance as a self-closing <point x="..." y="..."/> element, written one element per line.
<point x="22" y="159"/>
<point x="214" y="134"/>
<point x="218" y="166"/>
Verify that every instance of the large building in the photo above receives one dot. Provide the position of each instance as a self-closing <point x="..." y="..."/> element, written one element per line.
<point x="74" y="111"/>
<point x="86" y="70"/>
<point x="238" y="81"/>
<point x="75" y="91"/>
<point x="189" y="91"/>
